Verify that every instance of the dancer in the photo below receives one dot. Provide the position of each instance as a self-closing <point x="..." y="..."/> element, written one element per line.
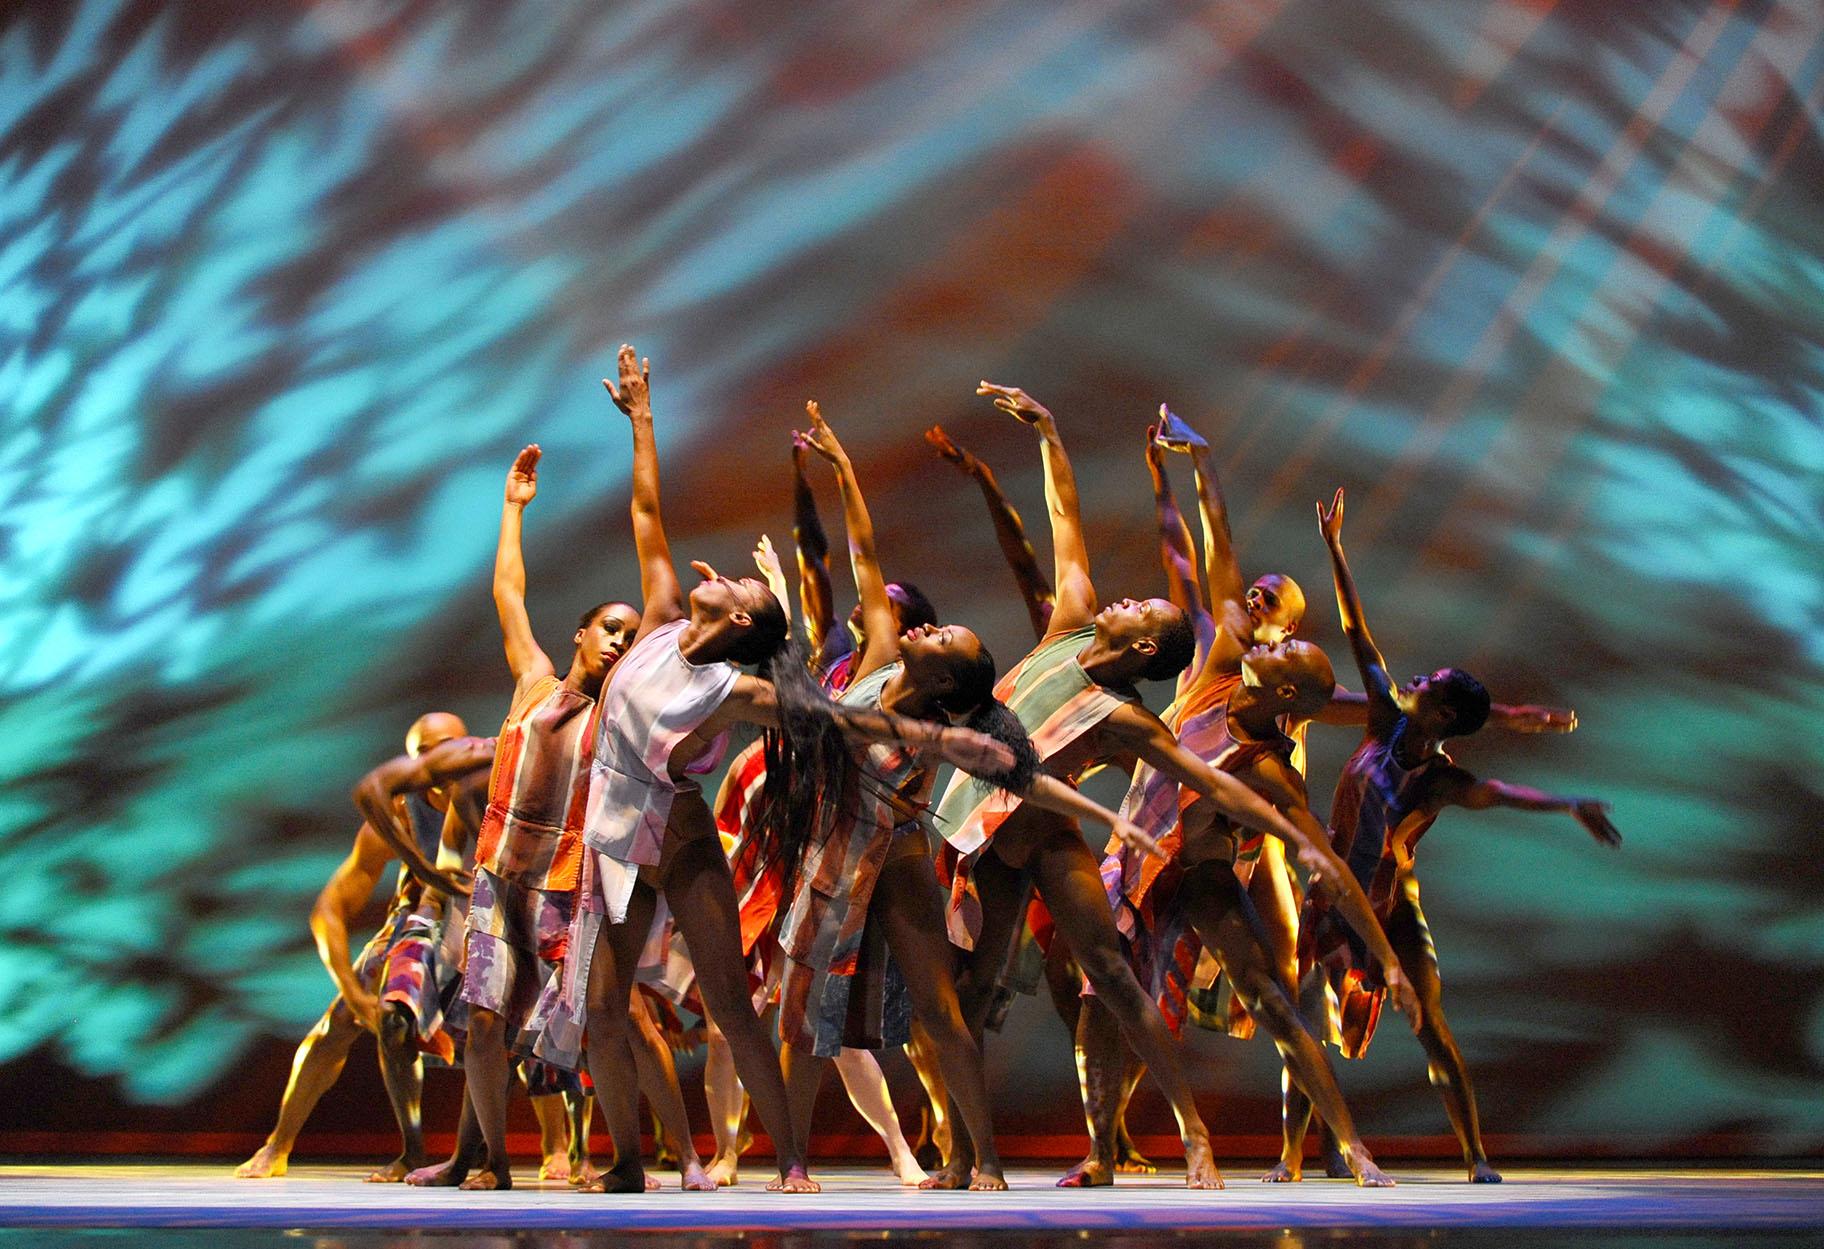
<point x="1390" y="792"/>
<point x="530" y="858"/>
<point x="665" y="723"/>
<point x="1196" y="899"/>
<point x="865" y="930"/>
<point x="392" y="989"/>
<point x="1075" y="696"/>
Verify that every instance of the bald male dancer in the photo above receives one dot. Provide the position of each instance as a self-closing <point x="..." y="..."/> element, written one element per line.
<point x="392" y="989"/>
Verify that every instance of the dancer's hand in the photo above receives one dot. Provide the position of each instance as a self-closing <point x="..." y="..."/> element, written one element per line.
<point x="766" y="559"/>
<point x="1175" y="435"/>
<point x="820" y="437"/>
<point x="1536" y="718"/>
<point x="1015" y="402"/>
<point x="364" y="1006"/>
<point x="1155" y="457"/>
<point x="634" y="396"/>
<point x="1403" y="996"/>
<point x="1594" y="816"/>
<point x="947" y="447"/>
<point x="975" y="753"/>
<point x="1330" y="522"/>
<point x="522" y="478"/>
<point x="1132" y="836"/>
<point x="800" y="445"/>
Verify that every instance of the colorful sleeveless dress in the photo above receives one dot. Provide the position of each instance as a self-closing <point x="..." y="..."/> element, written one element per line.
<point x="1369" y="830"/>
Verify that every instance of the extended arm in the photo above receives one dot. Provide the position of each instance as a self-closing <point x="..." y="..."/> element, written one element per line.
<point x="1049" y="792"/>
<point x="1382" y="707"/>
<point x="755" y="701"/>
<point x="664" y="596"/>
<point x="1179" y="558"/>
<point x="813" y="563"/>
<point x="376" y="796"/>
<point x="1350" y="707"/>
<point x="1589" y="812"/>
<point x="342" y="898"/>
<point x="1075" y="605"/>
<point x="1009" y="531"/>
<point x="880" y="639"/>
<point x="1221" y="570"/>
<point x="524" y="658"/>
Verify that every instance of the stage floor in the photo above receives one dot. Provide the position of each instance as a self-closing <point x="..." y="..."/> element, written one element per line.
<point x="865" y="1200"/>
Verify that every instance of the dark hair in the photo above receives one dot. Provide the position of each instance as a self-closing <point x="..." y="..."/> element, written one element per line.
<point x="768" y="632"/>
<point x="807" y="759"/>
<point x="916" y="610"/>
<point x="974" y="682"/>
<point x="588" y="617"/>
<point x="1467" y="700"/>
<point x="1177" y="647"/>
<point x="997" y="720"/>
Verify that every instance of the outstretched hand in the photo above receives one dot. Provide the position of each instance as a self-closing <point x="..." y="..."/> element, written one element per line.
<point x="1594" y="816"/>
<point x="766" y="559"/>
<point x="1536" y="718"/>
<point x="1015" y="402"/>
<point x="522" y="478"/>
<point x="947" y="447"/>
<point x="1132" y="836"/>
<point x="1174" y="434"/>
<point x="820" y="437"/>
<point x="634" y="395"/>
<point x="1403" y="996"/>
<point x="1330" y="522"/>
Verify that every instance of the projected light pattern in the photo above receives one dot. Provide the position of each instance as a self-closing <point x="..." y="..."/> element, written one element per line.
<point x="282" y="288"/>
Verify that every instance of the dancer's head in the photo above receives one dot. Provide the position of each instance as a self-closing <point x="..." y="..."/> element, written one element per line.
<point x="1152" y="635"/>
<point x="950" y="663"/>
<point x="910" y="608"/>
<point x="1293" y="678"/>
<point x="1445" y="703"/>
<point x="743" y="619"/>
<point x="603" y="634"/>
<point x="1275" y="606"/>
<point x="433" y="728"/>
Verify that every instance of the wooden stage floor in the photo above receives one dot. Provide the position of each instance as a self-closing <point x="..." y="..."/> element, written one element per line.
<point x="855" y="1200"/>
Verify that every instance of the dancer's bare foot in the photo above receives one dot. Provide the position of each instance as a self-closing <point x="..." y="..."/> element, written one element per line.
<point x="1367" y="1175"/>
<point x="652" y="1183"/>
<point x="696" y="1179"/>
<point x="1128" y="1158"/>
<point x="725" y="1170"/>
<point x="1482" y="1173"/>
<point x="794" y="1179"/>
<point x="582" y="1173"/>
<point x="906" y="1167"/>
<point x="556" y="1167"/>
<point x="1284" y="1172"/>
<point x="267" y="1163"/>
<point x="1336" y="1166"/>
<point x="946" y="1179"/>
<point x="438" y="1175"/>
<point x="1200" y="1170"/>
<point x="488" y="1180"/>
<point x="394" y="1171"/>
<point x="988" y="1180"/>
<point x="631" y="1178"/>
<point x="1092" y="1172"/>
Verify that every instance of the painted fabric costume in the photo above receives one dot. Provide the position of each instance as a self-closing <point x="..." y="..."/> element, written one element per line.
<point x="1143" y="890"/>
<point x="856" y="997"/>
<point x="1376" y="820"/>
<point x="654" y="699"/>
<point x="529" y="855"/>
<point x="1057" y="702"/>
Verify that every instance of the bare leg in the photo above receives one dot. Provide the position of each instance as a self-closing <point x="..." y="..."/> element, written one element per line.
<point x="470" y="1152"/>
<point x="314" y="1069"/>
<point x="1448" y="1072"/>
<point x="1065" y="872"/>
<point x="702" y="898"/>
<point x="403" y="1071"/>
<point x="659" y="1083"/>
<point x="610" y="1039"/>
<point x="866" y="1085"/>
<point x="1225" y="919"/>
<point x="935" y="1130"/>
<point x="908" y="902"/>
<point x="579" y="1108"/>
<point x="489" y="1073"/>
<point x="727" y="1105"/>
<point x="1101" y="1064"/>
<point x="553" y="1136"/>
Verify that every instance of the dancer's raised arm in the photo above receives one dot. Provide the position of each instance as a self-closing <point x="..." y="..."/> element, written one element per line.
<point x="659" y="585"/>
<point x="524" y="657"/>
<point x="1009" y="530"/>
<point x="1183" y="584"/>
<point x="815" y="599"/>
<point x="1383" y="709"/>
<point x="880" y="635"/>
<point x="1075" y="604"/>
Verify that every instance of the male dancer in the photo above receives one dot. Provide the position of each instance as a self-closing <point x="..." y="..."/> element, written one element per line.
<point x="665" y="721"/>
<point x="530" y="856"/>
<point x="866" y="914"/>
<point x="1197" y="898"/>
<point x="1390" y="792"/>
<point x="391" y="990"/>
<point x="1075" y="696"/>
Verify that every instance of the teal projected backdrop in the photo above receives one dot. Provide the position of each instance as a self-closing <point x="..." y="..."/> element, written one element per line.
<point x="283" y="287"/>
